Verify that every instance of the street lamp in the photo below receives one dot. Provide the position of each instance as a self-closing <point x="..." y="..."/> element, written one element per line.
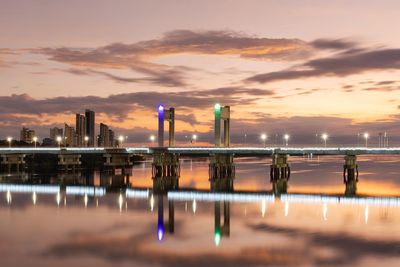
<point x="59" y="141"/>
<point x="9" y="140"/>
<point x="152" y="138"/>
<point x="194" y="138"/>
<point x="121" y="139"/>
<point x="86" y="138"/>
<point x="324" y="137"/>
<point x="263" y="138"/>
<point x="286" y="137"/>
<point x="35" y="140"/>
<point x="366" y="136"/>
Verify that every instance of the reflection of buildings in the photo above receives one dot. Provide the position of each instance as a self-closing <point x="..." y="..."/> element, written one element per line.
<point x="224" y="229"/>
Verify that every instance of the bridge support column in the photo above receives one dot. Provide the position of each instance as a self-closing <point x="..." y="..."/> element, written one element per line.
<point x="68" y="162"/>
<point x="116" y="159"/>
<point x="280" y="173"/>
<point x="165" y="172"/>
<point x="13" y="160"/>
<point x="350" y="174"/>
<point x="221" y="172"/>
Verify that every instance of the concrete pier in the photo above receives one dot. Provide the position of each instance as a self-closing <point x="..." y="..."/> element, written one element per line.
<point x="69" y="162"/>
<point x="221" y="172"/>
<point x="350" y="174"/>
<point x="165" y="172"/>
<point x="13" y="162"/>
<point x="280" y="168"/>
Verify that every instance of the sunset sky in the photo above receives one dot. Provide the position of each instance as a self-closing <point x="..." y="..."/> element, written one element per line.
<point x="297" y="67"/>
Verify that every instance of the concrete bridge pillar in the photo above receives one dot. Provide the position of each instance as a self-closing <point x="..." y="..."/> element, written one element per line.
<point x="222" y="113"/>
<point x="13" y="160"/>
<point x="280" y="173"/>
<point x="118" y="160"/>
<point x="221" y="172"/>
<point x="350" y="174"/>
<point x="168" y="115"/>
<point x="165" y="172"/>
<point x="68" y="162"/>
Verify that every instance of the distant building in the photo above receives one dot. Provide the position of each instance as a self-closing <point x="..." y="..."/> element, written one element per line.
<point x="111" y="138"/>
<point x="80" y="129"/>
<point x="69" y="136"/>
<point x="27" y="135"/>
<point x="48" y="142"/>
<point x="104" y="137"/>
<point x="90" y="130"/>
<point x="54" y="132"/>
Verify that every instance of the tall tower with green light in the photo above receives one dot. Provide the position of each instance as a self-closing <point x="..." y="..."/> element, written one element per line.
<point x="222" y="113"/>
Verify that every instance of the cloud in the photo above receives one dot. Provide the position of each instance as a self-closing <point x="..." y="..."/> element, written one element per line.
<point x="339" y="65"/>
<point x="334" y="44"/>
<point x="136" y="56"/>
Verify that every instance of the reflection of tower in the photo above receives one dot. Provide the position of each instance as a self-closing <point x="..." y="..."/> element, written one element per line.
<point x="160" y="218"/>
<point x="350" y="175"/>
<point x="221" y="230"/>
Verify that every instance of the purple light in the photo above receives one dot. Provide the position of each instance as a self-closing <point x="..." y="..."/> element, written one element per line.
<point x="160" y="232"/>
<point x="160" y="108"/>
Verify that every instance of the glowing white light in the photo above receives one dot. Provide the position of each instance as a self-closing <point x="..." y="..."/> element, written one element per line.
<point x="58" y="198"/>
<point x="58" y="139"/>
<point x="366" y="214"/>
<point x="9" y="139"/>
<point x="286" y="208"/>
<point x="120" y="202"/>
<point x="85" y="200"/>
<point x="194" y="137"/>
<point x="263" y="208"/>
<point x="152" y="138"/>
<point x="35" y="139"/>
<point x="8" y="197"/>
<point x="86" y="138"/>
<point x="325" y="211"/>
<point x="212" y="197"/>
<point x="194" y="206"/>
<point x="34" y="198"/>
<point x="263" y="137"/>
<point x="152" y="202"/>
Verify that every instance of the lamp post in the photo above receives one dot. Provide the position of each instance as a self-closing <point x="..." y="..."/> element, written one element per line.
<point x="263" y="138"/>
<point x="286" y="138"/>
<point x="194" y="138"/>
<point x="324" y="137"/>
<point x="86" y="141"/>
<point x="366" y="136"/>
<point x="152" y="138"/>
<point x="9" y="140"/>
<point x="35" y="140"/>
<point x="59" y="139"/>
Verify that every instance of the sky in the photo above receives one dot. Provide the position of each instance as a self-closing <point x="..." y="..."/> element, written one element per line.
<point x="298" y="67"/>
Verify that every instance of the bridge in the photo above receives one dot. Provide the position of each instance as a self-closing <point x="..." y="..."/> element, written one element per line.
<point x="166" y="164"/>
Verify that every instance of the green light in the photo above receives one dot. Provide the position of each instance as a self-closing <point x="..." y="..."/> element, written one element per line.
<point x="217" y="238"/>
<point x="217" y="107"/>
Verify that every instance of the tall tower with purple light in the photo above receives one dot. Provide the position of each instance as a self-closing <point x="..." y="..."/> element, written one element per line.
<point x="168" y="115"/>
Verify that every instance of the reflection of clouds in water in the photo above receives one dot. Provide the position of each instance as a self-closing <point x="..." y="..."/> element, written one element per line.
<point x="349" y="249"/>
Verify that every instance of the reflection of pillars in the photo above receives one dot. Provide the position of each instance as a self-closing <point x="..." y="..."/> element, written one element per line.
<point x="280" y="173"/>
<point x="171" y="216"/>
<point x="221" y="230"/>
<point x="350" y="174"/>
<point x="221" y="172"/>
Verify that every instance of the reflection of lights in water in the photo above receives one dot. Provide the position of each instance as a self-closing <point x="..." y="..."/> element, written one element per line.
<point x="286" y="208"/>
<point x="217" y="237"/>
<point x="186" y="208"/>
<point x="58" y="198"/>
<point x="263" y="208"/>
<point x="366" y="214"/>
<point x="194" y="206"/>
<point x="85" y="199"/>
<point x="97" y="202"/>
<point x="34" y="198"/>
<point x="120" y="202"/>
<point x="8" y="197"/>
<point x="325" y="211"/>
<point x="160" y="231"/>
<point x="245" y="211"/>
<point x="152" y="202"/>
<point x="65" y="201"/>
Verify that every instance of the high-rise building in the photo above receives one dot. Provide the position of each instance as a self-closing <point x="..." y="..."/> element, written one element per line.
<point x="90" y="130"/>
<point x="54" y="132"/>
<point x="27" y="135"/>
<point x="111" y="138"/>
<point x="70" y="136"/>
<point x="80" y="128"/>
<point x="104" y="137"/>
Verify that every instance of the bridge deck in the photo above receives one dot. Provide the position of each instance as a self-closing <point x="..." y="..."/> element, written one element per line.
<point x="246" y="151"/>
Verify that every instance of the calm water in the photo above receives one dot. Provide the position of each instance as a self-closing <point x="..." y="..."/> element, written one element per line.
<point x="88" y="228"/>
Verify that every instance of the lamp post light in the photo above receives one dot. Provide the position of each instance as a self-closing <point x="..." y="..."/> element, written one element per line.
<point x="245" y="138"/>
<point x="366" y="136"/>
<point x="9" y="140"/>
<point x="121" y="140"/>
<point x="152" y="138"/>
<point x="194" y="138"/>
<point x="59" y="139"/>
<point x="86" y="138"/>
<point x="263" y="138"/>
<point x="324" y="137"/>
<point x="35" y="139"/>
<point x="286" y="138"/>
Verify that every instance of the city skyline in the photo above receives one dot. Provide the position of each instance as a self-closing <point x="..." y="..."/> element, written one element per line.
<point x="288" y="75"/>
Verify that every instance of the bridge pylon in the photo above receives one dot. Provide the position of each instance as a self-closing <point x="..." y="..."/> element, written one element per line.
<point x="168" y="115"/>
<point x="222" y="113"/>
